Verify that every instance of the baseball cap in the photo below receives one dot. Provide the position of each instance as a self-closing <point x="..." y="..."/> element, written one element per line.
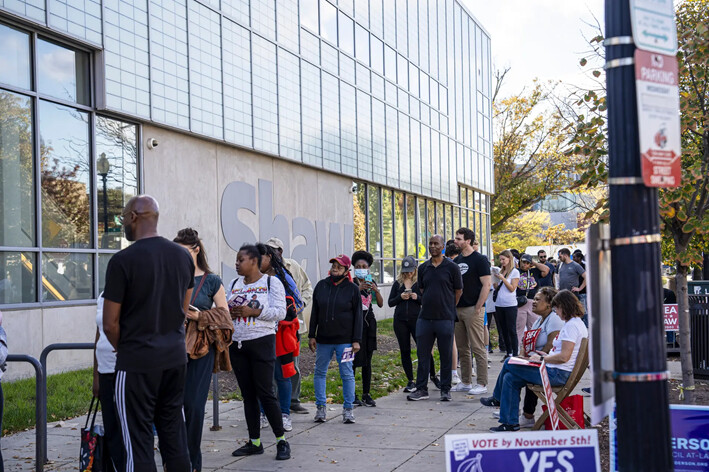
<point x="342" y="259"/>
<point x="526" y="258"/>
<point x="275" y="243"/>
<point x="578" y="251"/>
<point x="408" y="264"/>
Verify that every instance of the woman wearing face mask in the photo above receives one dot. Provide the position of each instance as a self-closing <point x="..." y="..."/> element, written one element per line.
<point x="335" y="326"/>
<point x="369" y="292"/>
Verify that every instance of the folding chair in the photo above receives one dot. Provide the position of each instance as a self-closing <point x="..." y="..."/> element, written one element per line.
<point x="563" y="391"/>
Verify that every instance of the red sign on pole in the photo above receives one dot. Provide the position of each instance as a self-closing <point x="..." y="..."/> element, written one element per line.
<point x="657" y="85"/>
<point x="671" y="317"/>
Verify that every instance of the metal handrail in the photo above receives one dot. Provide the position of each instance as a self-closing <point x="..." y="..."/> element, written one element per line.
<point x="43" y="362"/>
<point x="40" y="405"/>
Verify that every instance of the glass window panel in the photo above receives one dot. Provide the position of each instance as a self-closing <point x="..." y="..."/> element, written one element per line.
<point x="289" y="105"/>
<point x="238" y="115"/>
<point x="440" y="219"/>
<point x="362" y="44"/>
<point x="346" y="34"/>
<point x="422" y="246"/>
<point x="117" y="177"/>
<point x="374" y="241"/>
<point x="389" y="32"/>
<point x="362" y="12"/>
<point x="363" y="79"/>
<point x="390" y="63"/>
<point x="431" y="215"/>
<point x="463" y="199"/>
<point x="62" y="73"/>
<point x="410" y="225"/>
<point x="471" y="220"/>
<point x="310" y="47"/>
<point x="450" y="230"/>
<point x="17" y="277"/>
<point x="377" y="55"/>
<point x="401" y="25"/>
<point x="379" y="157"/>
<point x="456" y="218"/>
<point x="312" y="119"/>
<point x="17" y="209"/>
<point x="376" y="270"/>
<point x="388" y="275"/>
<point x="66" y="276"/>
<point x="387" y="224"/>
<point x="414" y="80"/>
<point x="328" y="21"/>
<point x="359" y="203"/>
<point x="399" y="224"/>
<point x="65" y="151"/>
<point x="14" y="57"/>
<point x="102" y="266"/>
<point x="392" y="146"/>
<point x="309" y="15"/>
<point x="287" y="23"/>
<point x="265" y="96"/>
<point x="403" y="72"/>
<point x="331" y="122"/>
<point x="483" y="235"/>
<point x="364" y="134"/>
<point x="471" y="200"/>
<point x="263" y="18"/>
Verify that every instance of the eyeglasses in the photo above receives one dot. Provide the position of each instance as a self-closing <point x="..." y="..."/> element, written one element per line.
<point x="542" y="257"/>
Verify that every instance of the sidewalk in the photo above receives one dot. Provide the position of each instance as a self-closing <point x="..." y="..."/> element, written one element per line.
<point x="396" y="435"/>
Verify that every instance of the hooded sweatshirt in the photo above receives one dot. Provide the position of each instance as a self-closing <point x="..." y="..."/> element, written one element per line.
<point x="336" y="315"/>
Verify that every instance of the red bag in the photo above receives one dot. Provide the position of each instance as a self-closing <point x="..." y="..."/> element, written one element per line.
<point x="574" y="407"/>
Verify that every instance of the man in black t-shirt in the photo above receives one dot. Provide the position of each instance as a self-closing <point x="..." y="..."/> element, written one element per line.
<point x="148" y="291"/>
<point x="441" y="284"/>
<point x="470" y="329"/>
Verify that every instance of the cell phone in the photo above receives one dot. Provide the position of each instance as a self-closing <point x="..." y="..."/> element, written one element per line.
<point x="408" y="290"/>
<point x="194" y="308"/>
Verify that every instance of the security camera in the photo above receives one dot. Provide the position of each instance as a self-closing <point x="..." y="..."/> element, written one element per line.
<point x="353" y="189"/>
<point x="152" y="143"/>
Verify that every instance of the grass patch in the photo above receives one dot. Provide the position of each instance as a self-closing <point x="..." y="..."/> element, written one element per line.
<point x="386" y="327"/>
<point x="69" y="395"/>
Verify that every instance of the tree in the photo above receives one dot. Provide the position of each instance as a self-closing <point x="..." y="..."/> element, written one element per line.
<point x="530" y="163"/>
<point x="684" y="211"/>
<point x="526" y="229"/>
<point x="558" y="234"/>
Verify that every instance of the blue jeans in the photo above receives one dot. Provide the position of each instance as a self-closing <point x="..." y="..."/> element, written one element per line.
<point x="284" y="388"/>
<point x="512" y="379"/>
<point x="323" y="354"/>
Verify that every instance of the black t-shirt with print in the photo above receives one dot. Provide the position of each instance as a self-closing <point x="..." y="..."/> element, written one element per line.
<point x="529" y="279"/>
<point x="472" y="267"/>
<point x="150" y="279"/>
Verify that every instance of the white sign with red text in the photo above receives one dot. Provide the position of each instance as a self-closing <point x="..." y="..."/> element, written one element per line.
<point x="657" y="88"/>
<point x="549" y="394"/>
<point x="671" y="317"/>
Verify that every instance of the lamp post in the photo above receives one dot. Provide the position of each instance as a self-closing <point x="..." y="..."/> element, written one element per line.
<point x="103" y="167"/>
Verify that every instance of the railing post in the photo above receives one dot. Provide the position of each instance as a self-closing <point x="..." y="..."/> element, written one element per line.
<point x="215" y="403"/>
<point x="40" y="408"/>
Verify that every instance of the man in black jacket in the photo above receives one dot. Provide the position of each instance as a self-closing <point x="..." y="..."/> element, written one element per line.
<point x="335" y="326"/>
<point x="442" y="285"/>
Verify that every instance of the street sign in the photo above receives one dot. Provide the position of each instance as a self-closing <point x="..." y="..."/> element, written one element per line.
<point x="654" y="28"/>
<point x="698" y="287"/>
<point x="671" y="317"/>
<point x="657" y="88"/>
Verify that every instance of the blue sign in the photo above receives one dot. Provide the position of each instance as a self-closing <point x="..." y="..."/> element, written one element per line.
<point x="690" y="437"/>
<point x="533" y="451"/>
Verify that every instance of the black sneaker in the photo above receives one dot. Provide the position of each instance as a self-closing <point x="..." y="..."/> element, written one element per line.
<point x="367" y="400"/>
<point x="436" y="382"/>
<point x="490" y="401"/>
<point x="357" y="401"/>
<point x="248" y="449"/>
<point x="410" y="387"/>
<point x="504" y="428"/>
<point x="418" y="395"/>
<point x="298" y="408"/>
<point x="283" y="450"/>
<point x="445" y="396"/>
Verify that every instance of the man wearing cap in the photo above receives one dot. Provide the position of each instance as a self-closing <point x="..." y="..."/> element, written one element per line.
<point x="335" y="327"/>
<point x="530" y="274"/>
<point x="306" y="295"/>
<point x="442" y="286"/>
<point x="470" y="329"/>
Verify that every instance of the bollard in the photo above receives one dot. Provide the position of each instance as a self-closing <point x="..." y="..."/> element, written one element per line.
<point x="215" y="403"/>
<point x="40" y="408"/>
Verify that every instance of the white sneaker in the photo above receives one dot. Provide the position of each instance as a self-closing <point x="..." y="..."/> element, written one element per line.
<point x="496" y="414"/>
<point x="287" y="424"/>
<point x="455" y="378"/>
<point x="525" y="422"/>
<point x="478" y="390"/>
<point x="264" y="421"/>
<point x="461" y="387"/>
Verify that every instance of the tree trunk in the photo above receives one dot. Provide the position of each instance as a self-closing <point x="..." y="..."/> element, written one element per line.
<point x="685" y="335"/>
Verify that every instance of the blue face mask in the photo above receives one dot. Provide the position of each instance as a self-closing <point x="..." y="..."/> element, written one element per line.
<point x="361" y="273"/>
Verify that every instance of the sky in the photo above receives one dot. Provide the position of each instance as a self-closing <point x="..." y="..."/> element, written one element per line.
<point x="538" y="38"/>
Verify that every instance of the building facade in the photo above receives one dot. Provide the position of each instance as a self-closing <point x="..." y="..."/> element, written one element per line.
<point x="333" y="124"/>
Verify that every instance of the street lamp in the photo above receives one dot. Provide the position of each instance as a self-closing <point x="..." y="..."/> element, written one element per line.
<point x="103" y="167"/>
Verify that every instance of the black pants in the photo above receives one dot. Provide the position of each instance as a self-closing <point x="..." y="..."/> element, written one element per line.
<point x="404" y="331"/>
<point x="366" y="360"/>
<point x="500" y="339"/>
<point x="428" y="331"/>
<point x="111" y="427"/>
<point x="507" y="324"/>
<point x="530" y="401"/>
<point x="253" y="365"/>
<point x="147" y="398"/>
<point x="197" y="381"/>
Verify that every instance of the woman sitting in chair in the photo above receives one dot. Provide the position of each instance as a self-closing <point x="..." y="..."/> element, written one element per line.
<point x="560" y="362"/>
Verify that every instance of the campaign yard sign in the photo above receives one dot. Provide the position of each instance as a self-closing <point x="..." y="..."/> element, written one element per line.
<point x="690" y="437"/>
<point x="671" y="317"/>
<point x="533" y="451"/>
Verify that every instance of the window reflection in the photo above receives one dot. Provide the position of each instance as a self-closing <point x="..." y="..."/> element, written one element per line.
<point x="328" y="21"/>
<point x="17" y="209"/>
<point x="387" y="224"/>
<point x="17" y="277"/>
<point x="66" y="276"/>
<point x="117" y="177"/>
<point x="359" y="200"/>
<point x="64" y="160"/>
<point x="362" y="40"/>
<point x="377" y="55"/>
<point x="399" y="224"/>
<point x="346" y="34"/>
<point x="373" y="234"/>
<point x="14" y="57"/>
<point x="309" y="14"/>
<point x="410" y="225"/>
<point x="423" y="234"/>
<point x="63" y="73"/>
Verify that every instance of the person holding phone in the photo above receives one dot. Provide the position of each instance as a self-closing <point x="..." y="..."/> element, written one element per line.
<point x="369" y="292"/>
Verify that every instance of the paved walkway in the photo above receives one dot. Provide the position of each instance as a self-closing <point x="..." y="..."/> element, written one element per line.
<point x="396" y="435"/>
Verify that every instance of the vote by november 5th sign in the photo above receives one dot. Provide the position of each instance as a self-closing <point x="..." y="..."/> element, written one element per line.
<point x="533" y="451"/>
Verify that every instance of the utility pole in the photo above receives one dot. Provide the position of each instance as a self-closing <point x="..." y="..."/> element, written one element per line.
<point x="642" y="398"/>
